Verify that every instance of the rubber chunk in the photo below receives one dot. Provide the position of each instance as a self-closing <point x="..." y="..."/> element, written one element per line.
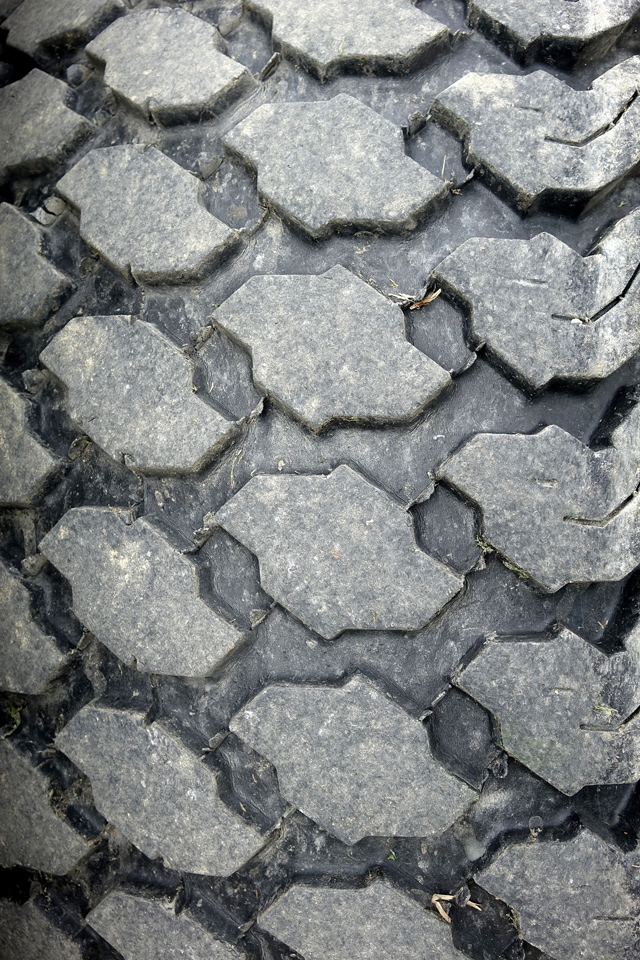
<point x="171" y="807"/>
<point x="343" y="356"/>
<point x="167" y="65"/>
<point x="338" y="552"/>
<point x="353" y="761"/>
<point x="131" y="390"/>
<point x="360" y="178"/>
<point x="137" y="593"/>
<point x="563" y="905"/>
<point x="125" y="195"/>
<point x="329" y="36"/>
<point x="582" y="140"/>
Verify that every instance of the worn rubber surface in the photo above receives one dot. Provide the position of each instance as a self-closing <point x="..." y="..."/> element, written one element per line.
<point x="319" y="461"/>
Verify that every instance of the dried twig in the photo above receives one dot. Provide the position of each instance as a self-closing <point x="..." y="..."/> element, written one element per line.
<point x="428" y="299"/>
<point x="448" y="897"/>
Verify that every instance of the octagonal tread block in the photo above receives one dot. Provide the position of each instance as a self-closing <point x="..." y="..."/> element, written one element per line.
<point x="583" y="140"/>
<point x="377" y="923"/>
<point x="124" y="195"/>
<point x="330" y="35"/>
<point x="28" y="656"/>
<point x="130" y="389"/>
<point x="143" y="929"/>
<point x="555" y="508"/>
<point x="38" y="129"/>
<point x="38" y="23"/>
<point x="360" y="177"/>
<point x="156" y="792"/>
<point x="559" y="315"/>
<point x="562" y="905"/>
<point x="27" y="934"/>
<point x="353" y="761"/>
<point x="30" y="286"/>
<point x="338" y="553"/>
<point x="137" y="593"/>
<point x="560" y="33"/>
<point x="167" y="65"/>
<point x="32" y="835"/>
<point x="330" y="347"/>
<point x="25" y="464"/>
<point x="565" y="709"/>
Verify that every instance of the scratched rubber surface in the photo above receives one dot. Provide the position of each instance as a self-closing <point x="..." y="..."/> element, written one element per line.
<point x="319" y="460"/>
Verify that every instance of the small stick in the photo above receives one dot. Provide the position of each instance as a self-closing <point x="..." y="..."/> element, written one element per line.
<point x="448" y="897"/>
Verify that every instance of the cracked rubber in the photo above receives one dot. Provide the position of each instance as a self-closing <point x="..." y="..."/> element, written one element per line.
<point x="319" y="473"/>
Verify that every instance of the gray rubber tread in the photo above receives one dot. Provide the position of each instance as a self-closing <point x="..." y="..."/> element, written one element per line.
<point x="319" y="471"/>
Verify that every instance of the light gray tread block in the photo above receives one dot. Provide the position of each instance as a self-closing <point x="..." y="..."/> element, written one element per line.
<point x="30" y="286"/>
<point x="558" y="510"/>
<point x="38" y="129"/>
<point x="166" y="64"/>
<point x="564" y="709"/>
<point x="560" y="32"/>
<point x="131" y="390"/>
<point x="32" y="835"/>
<point x="39" y="22"/>
<point x="563" y="903"/>
<point x="144" y="214"/>
<point x="27" y="934"/>
<point x="144" y="929"/>
<point x="360" y="178"/>
<point x="559" y="315"/>
<point x="377" y="923"/>
<point x="28" y="656"/>
<point x="338" y="553"/>
<point x="137" y="593"/>
<point x="156" y="792"/>
<point x="344" y="356"/>
<point x="25" y="464"/>
<point x="353" y="761"/>
<point x="583" y="141"/>
<point x="333" y="35"/>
